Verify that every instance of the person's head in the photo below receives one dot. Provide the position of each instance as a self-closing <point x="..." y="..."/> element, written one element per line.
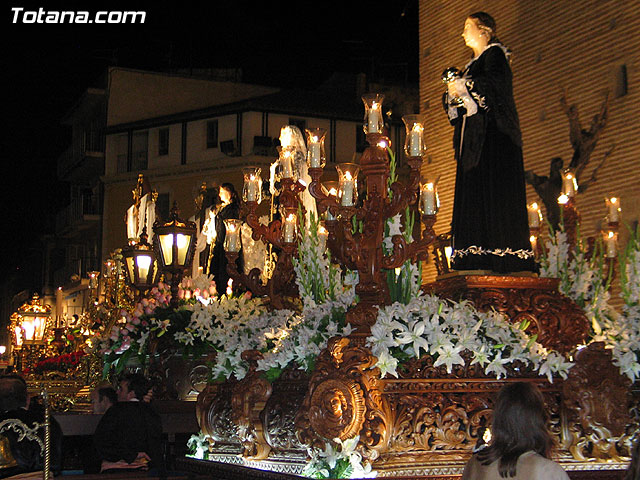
<point x="132" y="387"/>
<point x="228" y="193"/>
<point x="13" y="393"/>
<point x="103" y="397"/>
<point x="479" y="31"/>
<point x="633" y="472"/>
<point x="519" y="424"/>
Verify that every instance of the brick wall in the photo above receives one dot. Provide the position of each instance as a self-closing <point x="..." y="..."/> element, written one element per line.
<point x="575" y="45"/>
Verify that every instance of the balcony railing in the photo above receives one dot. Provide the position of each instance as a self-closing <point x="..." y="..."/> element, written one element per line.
<point x="84" y="208"/>
<point x="76" y="268"/>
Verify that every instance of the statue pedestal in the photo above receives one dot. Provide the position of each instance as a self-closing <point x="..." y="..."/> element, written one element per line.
<point x="559" y="323"/>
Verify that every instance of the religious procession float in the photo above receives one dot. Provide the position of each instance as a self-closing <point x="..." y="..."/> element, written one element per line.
<point x="327" y="357"/>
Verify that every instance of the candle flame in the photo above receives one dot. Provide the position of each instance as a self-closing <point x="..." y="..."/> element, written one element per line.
<point x="417" y="127"/>
<point x="347" y="176"/>
<point x="563" y="199"/>
<point x="291" y="218"/>
<point x="611" y="234"/>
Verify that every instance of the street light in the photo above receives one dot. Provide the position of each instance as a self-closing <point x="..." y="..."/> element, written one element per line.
<point x="175" y="243"/>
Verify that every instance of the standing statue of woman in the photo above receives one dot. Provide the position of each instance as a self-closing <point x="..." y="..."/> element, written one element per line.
<point x="229" y="208"/>
<point x="490" y="228"/>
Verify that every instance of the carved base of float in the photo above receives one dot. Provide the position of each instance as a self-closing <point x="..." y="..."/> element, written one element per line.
<point x="559" y="323"/>
<point x="427" y="422"/>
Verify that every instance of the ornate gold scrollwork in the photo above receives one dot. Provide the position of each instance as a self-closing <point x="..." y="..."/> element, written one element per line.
<point x="249" y="398"/>
<point x="597" y="399"/>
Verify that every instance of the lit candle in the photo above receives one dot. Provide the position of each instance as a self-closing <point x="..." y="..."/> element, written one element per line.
<point x="569" y="184"/>
<point x="232" y="238"/>
<point x="323" y="235"/>
<point x="429" y="199"/>
<point x="613" y="209"/>
<point x="374" y="122"/>
<point x="315" y="142"/>
<point x="144" y="263"/>
<point x="347" y="186"/>
<point x="610" y="244"/>
<point x="448" y="251"/>
<point x="286" y="162"/>
<point x="535" y="217"/>
<point x="416" y="144"/>
<point x="289" y="229"/>
<point x="534" y="242"/>
<point x="252" y="189"/>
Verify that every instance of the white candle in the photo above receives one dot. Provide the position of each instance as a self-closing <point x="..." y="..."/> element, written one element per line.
<point x="289" y="229"/>
<point x="610" y="243"/>
<point x="232" y="238"/>
<point x="534" y="215"/>
<point x="613" y="208"/>
<point x="415" y="140"/>
<point x="252" y="188"/>
<point x="323" y="235"/>
<point x="429" y="199"/>
<point x="287" y="164"/>
<point x="374" y="122"/>
<point x="314" y="154"/>
<point x="569" y="184"/>
<point x="347" y="189"/>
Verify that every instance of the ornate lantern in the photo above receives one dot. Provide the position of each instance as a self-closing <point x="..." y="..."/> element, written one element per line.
<point x="140" y="260"/>
<point x="175" y="243"/>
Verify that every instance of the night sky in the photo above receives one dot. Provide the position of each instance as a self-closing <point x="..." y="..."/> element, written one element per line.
<point x="286" y="44"/>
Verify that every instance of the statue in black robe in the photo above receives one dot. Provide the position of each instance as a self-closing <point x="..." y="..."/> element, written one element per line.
<point x="489" y="227"/>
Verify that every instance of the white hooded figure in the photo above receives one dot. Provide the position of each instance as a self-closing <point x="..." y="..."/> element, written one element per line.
<point x="290" y="135"/>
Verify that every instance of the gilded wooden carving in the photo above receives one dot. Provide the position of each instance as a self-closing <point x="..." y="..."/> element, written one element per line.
<point x="597" y="399"/>
<point x="249" y="398"/>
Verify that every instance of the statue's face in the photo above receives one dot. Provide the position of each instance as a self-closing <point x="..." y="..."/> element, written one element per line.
<point x="473" y="34"/>
<point x="225" y="195"/>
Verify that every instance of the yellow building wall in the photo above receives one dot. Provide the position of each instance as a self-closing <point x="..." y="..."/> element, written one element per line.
<point x="557" y="45"/>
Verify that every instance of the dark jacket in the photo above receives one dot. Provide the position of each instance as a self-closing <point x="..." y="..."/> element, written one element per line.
<point x="128" y="428"/>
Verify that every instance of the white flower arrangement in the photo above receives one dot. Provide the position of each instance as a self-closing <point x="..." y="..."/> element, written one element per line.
<point x="622" y="334"/>
<point x="341" y="462"/>
<point x="444" y="330"/>
<point x="198" y="445"/>
<point x="582" y="279"/>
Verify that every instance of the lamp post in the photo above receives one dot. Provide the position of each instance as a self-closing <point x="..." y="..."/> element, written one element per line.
<point x="175" y="243"/>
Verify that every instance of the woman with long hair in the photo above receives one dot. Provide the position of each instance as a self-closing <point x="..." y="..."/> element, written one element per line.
<point x="521" y="442"/>
<point x="229" y="207"/>
<point x="489" y="226"/>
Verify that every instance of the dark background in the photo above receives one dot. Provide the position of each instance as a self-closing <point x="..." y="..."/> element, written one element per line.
<point x="285" y="44"/>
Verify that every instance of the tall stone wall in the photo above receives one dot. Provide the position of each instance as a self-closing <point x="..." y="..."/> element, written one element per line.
<point x="578" y="46"/>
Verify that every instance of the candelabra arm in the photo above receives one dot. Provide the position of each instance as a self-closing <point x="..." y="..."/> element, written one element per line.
<point x="405" y="194"/>
<point x="250" y="281"/>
